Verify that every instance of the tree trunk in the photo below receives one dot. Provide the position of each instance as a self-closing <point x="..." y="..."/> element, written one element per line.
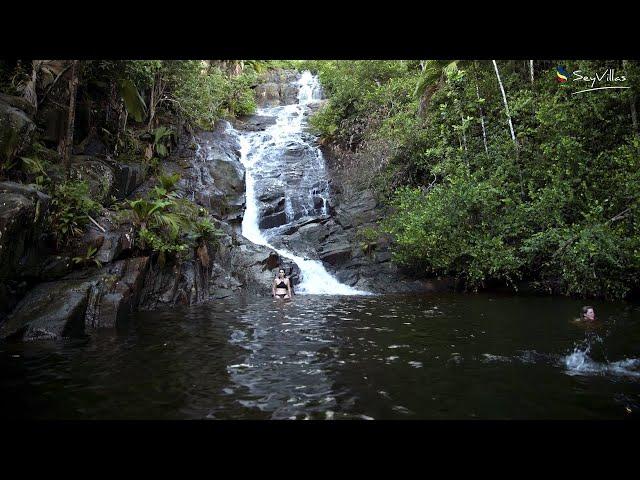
<point x="68" y="143"/>
<point x="531" y="70"/>
<point x="634" y="114"/>
<point x="464" y="136"/>
<point x="152" y="105"/>
<point x="506" y="105"/>
<point x="513" y="134"/>
<point x="484" y="131"/>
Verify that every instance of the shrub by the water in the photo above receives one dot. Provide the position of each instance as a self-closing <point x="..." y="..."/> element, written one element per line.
<point x="557" y="205"/>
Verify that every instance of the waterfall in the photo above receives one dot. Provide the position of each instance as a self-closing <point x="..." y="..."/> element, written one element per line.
<point x="262" y="155"/>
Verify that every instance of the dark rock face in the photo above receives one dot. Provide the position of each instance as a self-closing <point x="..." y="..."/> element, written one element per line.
<point x="254" y="123"/>
<point x="80" y="302"/>
<point x="213" y="175"/>
<point x="106" y="178"/>
<point x="22" y="247"/>
<point x="16" y="128"/>
<point x="277" y="88"/>
<point x="51" y="310"/>
<point x="334" y="240"/>
<point x="117" y="294"/>
<point x="98" y="175"/>
<point x="115" y="242"/>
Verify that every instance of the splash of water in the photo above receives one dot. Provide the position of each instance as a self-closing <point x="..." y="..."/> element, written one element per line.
<point x="579" y="362"/>
<point x="254" y="149"/>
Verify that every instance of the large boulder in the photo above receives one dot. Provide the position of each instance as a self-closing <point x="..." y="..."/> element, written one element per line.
<point x="277" y="87"/>
<point x="83" y="300"/>
<point x="112" y="239"/>
<point x="117" y="294"/>
<point x="254" y="123"/>
<point x="51" y="310"/>
<point x="252" y="265"/>
<point x="216" y="179"/>
<point x="16" y="128"/>
<point x="98" y="175"/>
<point x="126" y="178"/>
<point x="22" y="212"/>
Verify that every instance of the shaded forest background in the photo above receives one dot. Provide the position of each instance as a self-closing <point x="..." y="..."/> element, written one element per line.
<point x="494" y="172"/>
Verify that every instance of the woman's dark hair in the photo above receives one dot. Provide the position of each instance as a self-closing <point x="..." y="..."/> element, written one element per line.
<point x="585" y="309"/>
<point x="282" y="269"/>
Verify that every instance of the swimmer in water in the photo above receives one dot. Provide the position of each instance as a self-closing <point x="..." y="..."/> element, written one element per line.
<point x="588" y="314"/>
<point x="281" y="286"/>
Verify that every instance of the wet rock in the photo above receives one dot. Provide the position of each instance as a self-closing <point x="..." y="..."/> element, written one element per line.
<point x="113" y="243"/>
<point x="116" y="294"/>
<point x="267" y="94"/>
<point x="253" y="265"/>
<point x="50" y="311"/>
<point x="255" y="123"/>
<point x="216" y="179"/>
<point x="277" y="87"/>
<point x="23" y="210"/>
<point x="16" y="129"/>
<point x="98" y="175"/>
<point x="336" y="255"/>
<point x="289" y="93"/>
<point x="127" y="177"/>
<point x="271" y="221"/>
<point x="88" y="299"/>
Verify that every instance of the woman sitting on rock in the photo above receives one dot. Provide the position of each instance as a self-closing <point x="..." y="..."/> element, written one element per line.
<point x="281" y="287"/>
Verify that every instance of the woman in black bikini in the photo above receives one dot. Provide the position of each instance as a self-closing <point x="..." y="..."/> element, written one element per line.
<point x="281" y="287"/>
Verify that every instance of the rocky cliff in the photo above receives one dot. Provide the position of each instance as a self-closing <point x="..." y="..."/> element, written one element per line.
<point x="44" y="295"/>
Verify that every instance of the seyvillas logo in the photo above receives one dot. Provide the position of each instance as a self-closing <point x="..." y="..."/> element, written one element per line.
<point x="561" y="74"/>
<point x="605" y="80"/>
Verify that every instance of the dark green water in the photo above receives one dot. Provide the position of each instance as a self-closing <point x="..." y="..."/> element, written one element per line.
<point x="387" y="357"/>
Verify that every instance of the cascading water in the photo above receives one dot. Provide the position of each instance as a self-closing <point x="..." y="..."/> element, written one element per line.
<point x="285" y="157"/>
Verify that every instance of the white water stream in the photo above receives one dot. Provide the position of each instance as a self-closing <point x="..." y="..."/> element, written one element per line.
<point x="257" y="150"/>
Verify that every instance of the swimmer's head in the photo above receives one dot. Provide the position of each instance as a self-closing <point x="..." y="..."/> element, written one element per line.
<point x="281" y="273"/>
<point x="588" y="313"/>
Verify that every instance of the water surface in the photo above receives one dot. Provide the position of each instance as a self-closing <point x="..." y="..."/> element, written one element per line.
<point x="364" y="357"/>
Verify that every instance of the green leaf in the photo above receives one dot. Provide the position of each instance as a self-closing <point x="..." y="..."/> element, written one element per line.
<point x="132" y="100"/>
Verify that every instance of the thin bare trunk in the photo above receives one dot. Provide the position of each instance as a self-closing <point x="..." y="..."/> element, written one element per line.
<point x="484" y="131"/>
<point x="152" y="104"/>
<point x="531" y="70"/>
<point x="634" y="114"/>
<point x="513" y="134"/>
<point x="464" y="136"/>
<point x="68" y="143"/>
<point x="506" y="105"/>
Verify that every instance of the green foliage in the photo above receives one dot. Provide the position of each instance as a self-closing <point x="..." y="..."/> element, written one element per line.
<point x="368" y="238"/>
<point x="88" y="257"/>
<point x="169" y="182"/>
<point x="36" y="167"/>
<point x="560" y="208"/>
<point x="161" y="136"/>
<point x="166" y="224"/>
<point x="133" y="101"/>
<point x="71" y="206"/>
<point x="205" y="93"/>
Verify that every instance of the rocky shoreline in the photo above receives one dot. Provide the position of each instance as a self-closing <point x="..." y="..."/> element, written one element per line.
<point x="44" y="296"/>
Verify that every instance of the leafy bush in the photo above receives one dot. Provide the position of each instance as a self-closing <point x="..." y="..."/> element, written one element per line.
<point x="558" y="206"/>
<point x="71" y="206"/>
